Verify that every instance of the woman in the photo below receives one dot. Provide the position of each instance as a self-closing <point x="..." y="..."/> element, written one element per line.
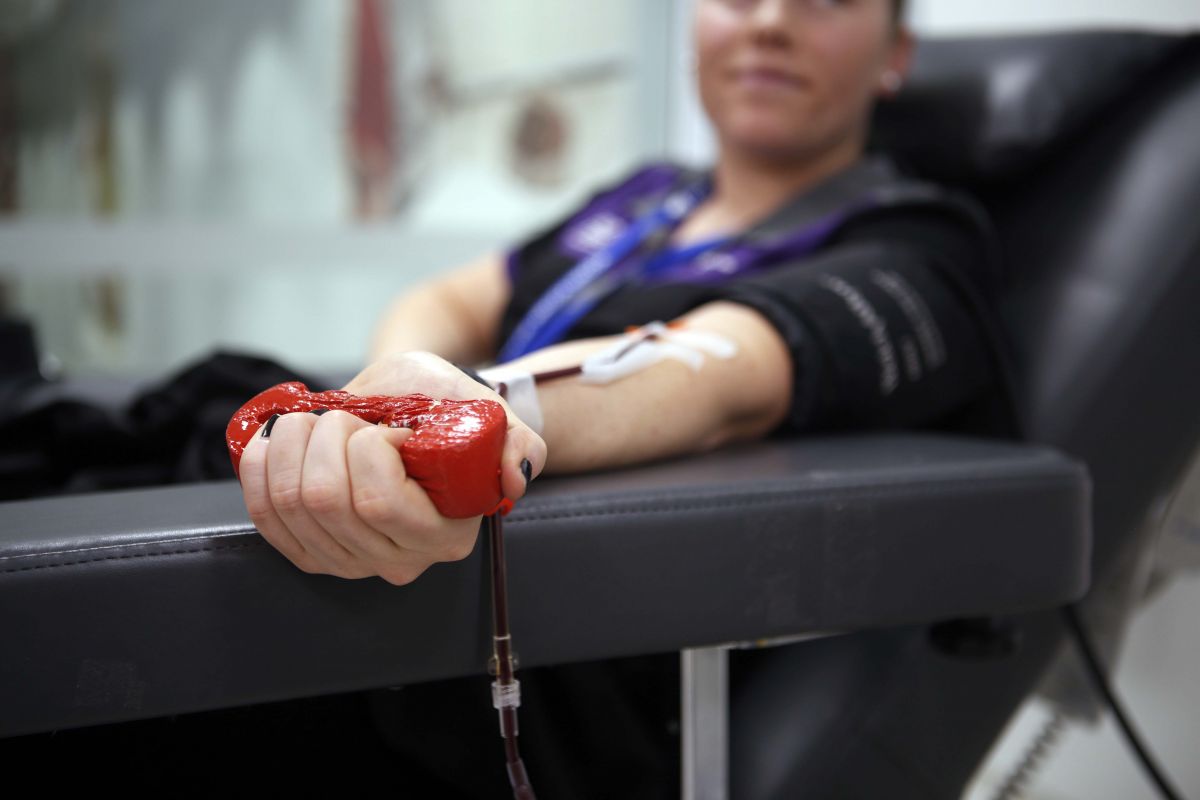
<point x="853" y="298"/>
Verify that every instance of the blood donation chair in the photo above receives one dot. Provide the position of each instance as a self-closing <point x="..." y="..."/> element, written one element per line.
<point x="895" y="595"/>
<point x="1085" y="146"/>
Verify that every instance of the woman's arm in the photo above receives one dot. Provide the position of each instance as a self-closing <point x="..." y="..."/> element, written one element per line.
<point x="455" y="315"/>
<point x="667" y="409"/>
<point x="330" y="492"/>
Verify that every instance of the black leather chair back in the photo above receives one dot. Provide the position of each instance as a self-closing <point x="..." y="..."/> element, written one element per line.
<point x="1086" y="148"/>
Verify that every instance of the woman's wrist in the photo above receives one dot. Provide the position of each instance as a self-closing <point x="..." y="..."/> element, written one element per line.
<point x="474" y="374"/>
<point x="517" y="387"/>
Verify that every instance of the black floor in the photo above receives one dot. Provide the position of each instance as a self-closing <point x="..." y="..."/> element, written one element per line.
<point x="307" y="746"/>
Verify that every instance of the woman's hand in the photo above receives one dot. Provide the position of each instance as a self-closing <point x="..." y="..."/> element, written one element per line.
<point x="331" y="493"/>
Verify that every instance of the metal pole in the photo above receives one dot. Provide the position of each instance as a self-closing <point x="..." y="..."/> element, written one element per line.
<point x="704" y="723"/>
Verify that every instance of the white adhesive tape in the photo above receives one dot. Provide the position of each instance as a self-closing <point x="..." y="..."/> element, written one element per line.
<point x="636" y="351"/>
<point x="520" y="392"/>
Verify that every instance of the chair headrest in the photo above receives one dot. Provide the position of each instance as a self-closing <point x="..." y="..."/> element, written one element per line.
<point x="979" y="109"/>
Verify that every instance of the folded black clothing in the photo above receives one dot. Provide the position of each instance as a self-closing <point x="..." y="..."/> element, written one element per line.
<point x="53" y="440"/>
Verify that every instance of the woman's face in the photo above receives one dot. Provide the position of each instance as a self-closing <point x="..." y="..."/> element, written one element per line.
<point x="789" y="79"/>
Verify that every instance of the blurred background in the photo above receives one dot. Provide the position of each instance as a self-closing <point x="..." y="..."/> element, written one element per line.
<point x="265" y="176"/>
<point x="178" y="176"/>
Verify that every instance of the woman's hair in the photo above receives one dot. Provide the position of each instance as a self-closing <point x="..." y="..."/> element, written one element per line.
<point x="898" y="9"/>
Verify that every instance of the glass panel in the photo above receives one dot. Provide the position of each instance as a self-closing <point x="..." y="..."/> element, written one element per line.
<point x="154" y="150"/>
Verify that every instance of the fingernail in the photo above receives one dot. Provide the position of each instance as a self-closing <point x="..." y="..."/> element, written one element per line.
<point x="318" y="411"/>
<point x="266" y="429"/>
<point x="527" y="470"/>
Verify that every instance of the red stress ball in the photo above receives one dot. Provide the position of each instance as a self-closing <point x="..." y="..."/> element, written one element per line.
<point x="454" y="452"/>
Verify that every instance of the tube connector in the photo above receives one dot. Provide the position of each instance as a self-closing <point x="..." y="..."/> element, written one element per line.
<point x="506" y="695"/>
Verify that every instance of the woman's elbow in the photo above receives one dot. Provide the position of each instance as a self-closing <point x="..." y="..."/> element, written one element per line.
<point x="754" y="388"/>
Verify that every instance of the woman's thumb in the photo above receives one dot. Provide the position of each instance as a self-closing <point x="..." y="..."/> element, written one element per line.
<point x="396" y="436"/>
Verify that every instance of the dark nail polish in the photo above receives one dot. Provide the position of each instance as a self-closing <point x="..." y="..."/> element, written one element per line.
<point x="318" y="411"/>
<point x="266" y="429"/>
<point x="527" y="470"/>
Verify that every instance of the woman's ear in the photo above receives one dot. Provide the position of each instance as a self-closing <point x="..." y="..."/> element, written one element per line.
<point x="898" y="62"/>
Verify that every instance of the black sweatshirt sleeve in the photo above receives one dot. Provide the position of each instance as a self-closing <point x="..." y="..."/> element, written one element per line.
<point x="889" y="326"/>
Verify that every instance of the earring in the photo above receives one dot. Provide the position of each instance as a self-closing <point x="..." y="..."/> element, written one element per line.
<point x="891" y="81"/>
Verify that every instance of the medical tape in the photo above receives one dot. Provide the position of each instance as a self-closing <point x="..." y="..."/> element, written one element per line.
<point x="636" y="351"/>
<point x="519" y="390"/>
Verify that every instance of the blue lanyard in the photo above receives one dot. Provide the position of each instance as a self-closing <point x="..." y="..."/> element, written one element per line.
<point x="595" y="277"/>
<point x="602" y="272"/>
<point x="668" y="258"/>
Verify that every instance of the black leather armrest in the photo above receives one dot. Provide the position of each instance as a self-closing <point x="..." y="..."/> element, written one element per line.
<point x="136" y="604"/>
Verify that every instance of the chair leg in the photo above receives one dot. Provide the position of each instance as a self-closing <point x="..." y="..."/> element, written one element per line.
<point x="704" y="685"/>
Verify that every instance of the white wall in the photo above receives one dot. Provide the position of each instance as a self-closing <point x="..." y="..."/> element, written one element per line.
<point x="971" y="16"/>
